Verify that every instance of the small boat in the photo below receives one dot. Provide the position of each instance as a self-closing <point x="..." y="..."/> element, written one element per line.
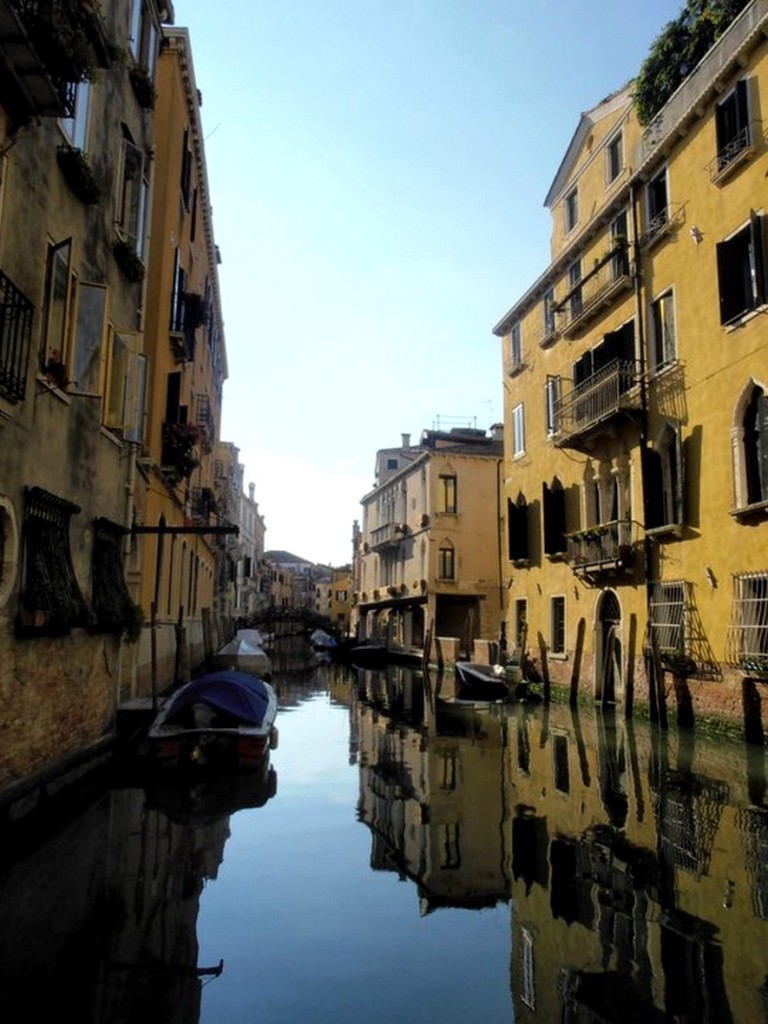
<point x="476" y="682"/>
<point x="368" y="654"/>
<point x="223" y="720"/>
<point x="243" y="653"/>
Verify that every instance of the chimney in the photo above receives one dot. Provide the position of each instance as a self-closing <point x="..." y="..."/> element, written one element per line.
<point x="251" y="490"/>
<point x="406" y="441"/>
<point x="497" y="431"/>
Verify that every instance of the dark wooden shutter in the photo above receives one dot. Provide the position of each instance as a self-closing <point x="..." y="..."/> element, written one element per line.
<point x="517" y="529"/>
<point x="554" y="519"/>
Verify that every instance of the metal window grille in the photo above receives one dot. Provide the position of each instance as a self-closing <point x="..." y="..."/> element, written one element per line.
<point x="667" y="615"/>
<point x="15" y="337"/>
<point x="112" y="603"/>
<point x="51" y="596"/>
<point x="748" y="634"/>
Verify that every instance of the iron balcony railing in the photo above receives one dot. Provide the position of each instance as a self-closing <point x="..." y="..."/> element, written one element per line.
<point x="610" y="276"/>
<point x="606" y="545"/>
<point x="15" y="339"/>
<point x="204" y="420"/>
<point x="584" y="408"/>
<point x="731" y="155"/>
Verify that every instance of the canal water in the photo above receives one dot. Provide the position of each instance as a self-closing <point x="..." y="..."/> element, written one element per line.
<point x="406" y="858"/>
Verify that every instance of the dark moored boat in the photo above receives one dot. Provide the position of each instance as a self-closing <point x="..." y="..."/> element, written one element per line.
<point x="477" y="682"/>
<point x="223" y="720"/>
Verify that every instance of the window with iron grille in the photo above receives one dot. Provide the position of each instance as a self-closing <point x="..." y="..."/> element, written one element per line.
<point x="748" y="639"/>
<point x="667" y="613"/>
<point x="112" y="604"/>
<point x="557" y="624"/>
<point x="732" y="125"/>
<point x="51" y="601"/>
<point x="15" y="339"/>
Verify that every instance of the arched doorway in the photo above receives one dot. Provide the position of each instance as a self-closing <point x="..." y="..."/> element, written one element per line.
<point x="609" y="680"/>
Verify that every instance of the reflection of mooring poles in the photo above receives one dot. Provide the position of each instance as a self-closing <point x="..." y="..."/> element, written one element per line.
<point x="161" y="531"/>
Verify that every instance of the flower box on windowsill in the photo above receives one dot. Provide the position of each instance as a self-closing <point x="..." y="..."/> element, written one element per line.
<point x="78" y="174"/>
<point x="143" y="86"/>
<point x="129" y="261"/>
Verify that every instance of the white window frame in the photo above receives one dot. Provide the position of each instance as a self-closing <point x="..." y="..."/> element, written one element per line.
<point x="76" y="127"/>
<point x="552" y="393"/>
<point x="662" y="351"/>
<point x="518" y="430"/>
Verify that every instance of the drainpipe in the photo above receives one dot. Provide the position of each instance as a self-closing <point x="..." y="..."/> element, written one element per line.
<point x="648" y="551"/>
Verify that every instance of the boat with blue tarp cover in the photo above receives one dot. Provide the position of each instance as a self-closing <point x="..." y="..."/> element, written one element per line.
<point x="222" y="720"/>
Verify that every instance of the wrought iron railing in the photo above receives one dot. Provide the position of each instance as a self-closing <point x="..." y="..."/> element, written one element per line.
<point x="596" y="399"/>
<point x="605" y="543"/>
<point x="610" y="276"/>
<point x="15" y="339"/>
<point x="739" y="147"/>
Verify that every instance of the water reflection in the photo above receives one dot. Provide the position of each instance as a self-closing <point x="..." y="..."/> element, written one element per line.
<point x="628" y="868"/>
<point x="636" y="860"/>
<point x="100" y="918"/>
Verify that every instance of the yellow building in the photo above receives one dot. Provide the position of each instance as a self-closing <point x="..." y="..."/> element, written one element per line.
<point x="185" y="346"/>
<point x="76" y="138"/>
<point x="341" y="598"/>
<point x="635" y="471"/>
<point x="428" y="548"/>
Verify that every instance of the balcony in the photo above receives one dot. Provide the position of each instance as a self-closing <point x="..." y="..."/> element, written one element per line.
<point x="610" y="277"/>
<point x="608" y="546"/>
<point x="388" y="536"/>
<point x="740" y="149"/>
<point x="593" y="407"/>
<point x="47" y="46"/>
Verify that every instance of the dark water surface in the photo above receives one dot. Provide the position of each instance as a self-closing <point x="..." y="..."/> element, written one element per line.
<point x="403" y="859"/>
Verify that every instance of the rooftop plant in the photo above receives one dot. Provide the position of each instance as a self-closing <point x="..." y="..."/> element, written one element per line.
<point x="678" y="49"/>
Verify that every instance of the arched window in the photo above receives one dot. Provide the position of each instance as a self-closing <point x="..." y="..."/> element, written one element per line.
<point x="749" y="438"/>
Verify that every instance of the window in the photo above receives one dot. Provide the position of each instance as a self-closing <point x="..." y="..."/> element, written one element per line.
<point x="571" y="210"/>
<point x="447" y="494"/>
<point x="661" y="344"/>
<point x="520" y="624"/>
<point x="748" y="634"/>
<point x="51" y="601"/>
<point x="755" y="447"/>
<point x="574" y="277"/>
<point x="518" y="431"/>
<point x="55" y="345"/>
<point x="143" y="36"/>
<point x="552" y="390"/>
<point x="548" y="309"/>
<point x="112" y="605"/>
<point x="515" y="347"/>
<point x="446" y="563"/>
<point x="557" y="625"/>
<point x="133" y="208"/>
<point x="186" y="169"/>
<point x="126" y="383"/>
<point x="620" y="260"/>
<point x="527" y="969"/>
<point x="89" y="333"/>
<point x="553" y="502"/>
<point x="656" y="205"/>
<point x="517" y="529"/>
<point x="666" y="613"/>
<point x="391" y="463"/>
<point x="178" y="306"/>
<point x="614" y="158"/>
<point x="9" y="550"/>
<point x="76" y="126"/>
<point x="732" y="127"/>
<point x="663" y="480"/>
<point x="15" y="339"/>
<point x="741" y="271"/>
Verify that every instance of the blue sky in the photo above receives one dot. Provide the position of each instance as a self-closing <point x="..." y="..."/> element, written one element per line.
<point x="378" y="170"/>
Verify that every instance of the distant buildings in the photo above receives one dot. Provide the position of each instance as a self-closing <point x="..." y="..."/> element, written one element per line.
<point x="427" y="555"/>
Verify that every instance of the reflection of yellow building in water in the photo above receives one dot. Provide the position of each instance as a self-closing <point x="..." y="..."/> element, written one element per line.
<point x="639" y="873"/>
<point x="185" y="344"/>
<point x="636" y="398"/>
